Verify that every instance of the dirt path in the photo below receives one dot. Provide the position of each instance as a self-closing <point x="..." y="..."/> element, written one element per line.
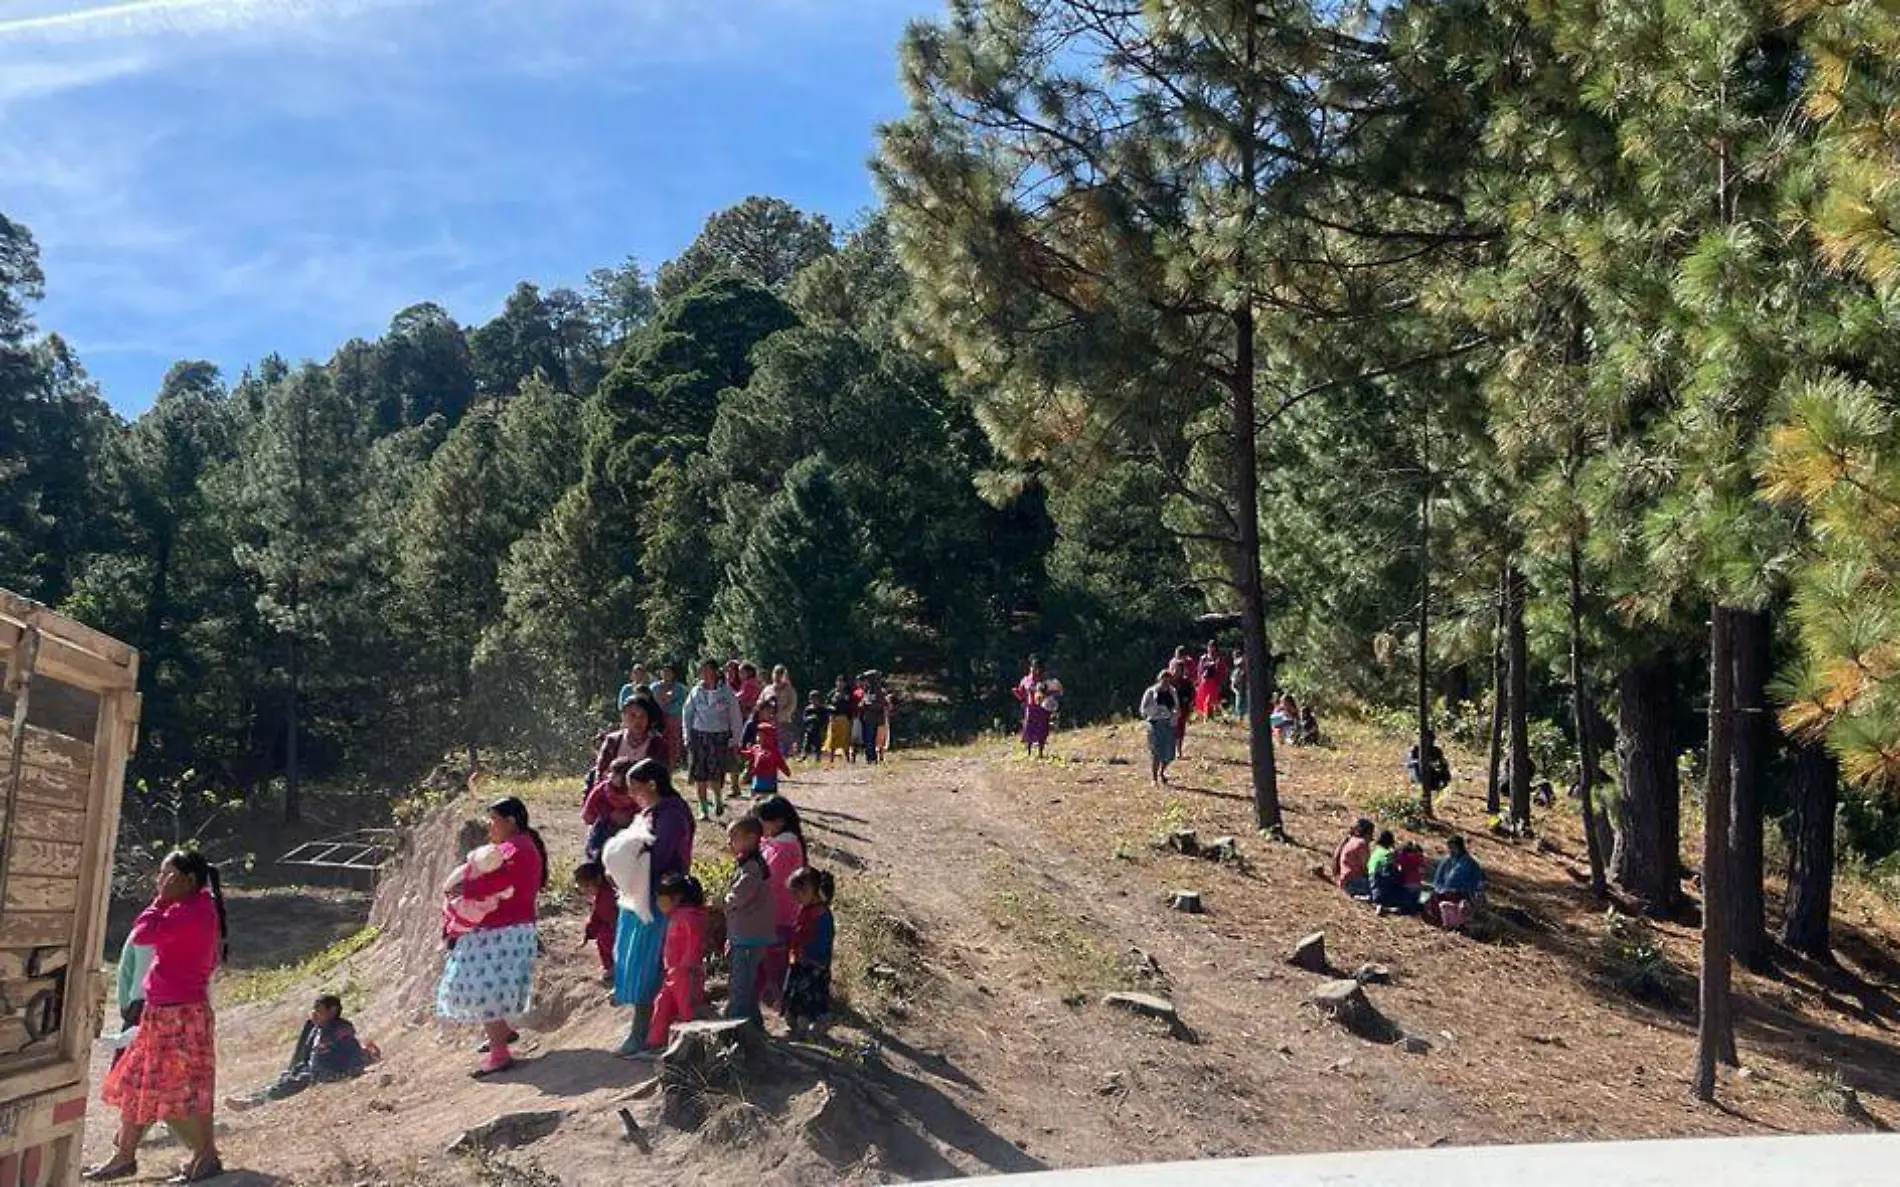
<point x="986" y="906"/>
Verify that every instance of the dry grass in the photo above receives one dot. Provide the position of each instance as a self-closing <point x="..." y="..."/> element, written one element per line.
<point x="1566" y="1027"/>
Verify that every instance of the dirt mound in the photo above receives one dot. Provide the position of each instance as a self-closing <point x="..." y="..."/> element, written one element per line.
<point x="408" y="907"/>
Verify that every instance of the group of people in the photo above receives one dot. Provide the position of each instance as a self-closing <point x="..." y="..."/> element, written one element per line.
<point x="733" y="732"/>
<point x="649" y="920"/>
<point x="1375" y="867"/>
<point x="1191" y="685"/>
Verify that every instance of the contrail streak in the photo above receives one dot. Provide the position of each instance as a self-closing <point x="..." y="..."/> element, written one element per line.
<point x="131" y="15"/>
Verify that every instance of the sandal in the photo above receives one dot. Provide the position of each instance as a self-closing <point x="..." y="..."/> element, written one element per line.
<point x="491" y="1069"/>
<point x="200" y="1172"/>
<point x="110" y="1172"/>
<point x="513" y="1038"/>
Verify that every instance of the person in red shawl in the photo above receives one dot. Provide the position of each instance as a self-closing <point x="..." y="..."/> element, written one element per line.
<point x="1211" y="690"/>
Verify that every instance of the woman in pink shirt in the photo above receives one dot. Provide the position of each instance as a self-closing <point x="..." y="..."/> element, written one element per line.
<point x="783" y="848"/>
<point x="169" y="1073"/>
<point x="489" y="977"/>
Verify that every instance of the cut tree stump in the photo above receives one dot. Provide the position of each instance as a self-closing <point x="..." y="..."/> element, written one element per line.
<point x="1310" y="954"/>
<point x="1185" y="841"/>
<point x="509" y="1131"/>
<point x="1346" y="1003"/>
<point x="704" y="1061"/>
<point x="1188" y="902"/>
<point x="1148" y="1005"/>
<point x="1221" y="850"/>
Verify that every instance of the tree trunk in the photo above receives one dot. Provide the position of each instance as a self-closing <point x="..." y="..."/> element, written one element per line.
<point x="1518" y="656"/>
<point x="293" y="786"/>
<point x="1424" y="625"/>
<point x="1586" y="733"/>
<point x="1715" y="1028"/>
<point x="1647" y="860"/>
<point x="1494" y="763"/>
<point x="1754" y="739"/>
<point x="1246" y="557"/>
<point x="1810" y="900"/>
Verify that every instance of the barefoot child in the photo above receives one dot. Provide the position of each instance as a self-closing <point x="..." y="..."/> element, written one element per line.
<point x="749" y="930"/>
<point x="784" y="852"/>
<point x="683" y="987"/>
<point x="808" y="983"/>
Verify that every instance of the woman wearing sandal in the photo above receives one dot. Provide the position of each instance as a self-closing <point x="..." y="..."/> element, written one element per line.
<point x="169" y="1073"/>
<point x="489" y="977"/>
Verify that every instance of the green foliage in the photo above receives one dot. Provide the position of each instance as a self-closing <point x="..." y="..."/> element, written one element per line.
<point x="1400" y="807"/>
<point x="1634" y="959"/>
<point x="265" y="985"/>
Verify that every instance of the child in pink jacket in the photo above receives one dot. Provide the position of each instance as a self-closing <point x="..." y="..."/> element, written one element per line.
<point x="784" y="852"/>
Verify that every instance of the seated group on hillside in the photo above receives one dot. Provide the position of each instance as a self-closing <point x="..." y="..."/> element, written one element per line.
<point x="1392" y="876"/>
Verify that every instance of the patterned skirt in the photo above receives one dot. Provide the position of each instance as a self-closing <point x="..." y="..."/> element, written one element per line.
<point x="170" y="1070"/>
<point x="637" y="948"/>
<point x="808" y="991"/>
<point x="675" y="743"/>
<point x="707" y="755"/>
<point x="489" y="976"/>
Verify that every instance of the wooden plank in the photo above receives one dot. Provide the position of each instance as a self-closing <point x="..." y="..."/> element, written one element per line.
<point x="37" y="857"/>
<point x="38" y="822"/>
<point x="52" y="752"/>
<point x="57" y="789"/>
<point x="13" y="965"/>
<point x="28" y="893"/>
<point x="16" y="996"/>
<point x="118" y="725"/>
<point x="66" y="631"/>
<point x="46" y="961"/>
<point x="30" y="929"/>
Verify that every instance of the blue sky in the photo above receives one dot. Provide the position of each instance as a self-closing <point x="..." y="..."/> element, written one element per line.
<point x="223" y="178"/>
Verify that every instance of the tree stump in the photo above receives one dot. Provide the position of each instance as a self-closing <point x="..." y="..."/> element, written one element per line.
<point x="705" y="1061"/>
<point x="1188" y="902"/>
<point x="1310" y="954"/>
<point x="1346" y="1003"/>
<point x="1149" y="1006"/>
<point x="510" y="1131"/>
<point x="1185" y="842"/>
<point x="1221" y="850"/>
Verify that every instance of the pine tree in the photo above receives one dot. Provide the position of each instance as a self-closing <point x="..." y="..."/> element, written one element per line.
<point x="300" y="490"/>
<point x="1129" y="242"/>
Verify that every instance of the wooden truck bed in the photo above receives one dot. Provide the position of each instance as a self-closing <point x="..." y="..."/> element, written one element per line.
<point x="68" y="711"/>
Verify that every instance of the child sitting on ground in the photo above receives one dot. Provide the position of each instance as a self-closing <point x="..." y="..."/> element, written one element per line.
<point x="610" y="807"/>
<point x="327" y="1050"/>
<point x="603" y="912"/>
<point x="750" y="931"/>
<point x="462" y="913"/>
<point x="808" y="982"/>
<point x="683" y="959"/>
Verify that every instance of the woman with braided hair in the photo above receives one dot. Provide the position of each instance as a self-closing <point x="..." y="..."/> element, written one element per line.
<point x="169" y="1073"/>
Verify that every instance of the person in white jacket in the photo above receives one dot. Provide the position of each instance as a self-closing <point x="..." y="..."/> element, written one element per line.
<point x="712" y="722"/>
<point x="1159" y="705"/>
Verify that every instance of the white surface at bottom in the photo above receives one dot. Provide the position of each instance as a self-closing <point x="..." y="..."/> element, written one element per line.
<point x="1860" y="1160"/>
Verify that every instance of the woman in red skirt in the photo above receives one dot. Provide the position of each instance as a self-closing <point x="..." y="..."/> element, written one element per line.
<point x="169" y="1073"/>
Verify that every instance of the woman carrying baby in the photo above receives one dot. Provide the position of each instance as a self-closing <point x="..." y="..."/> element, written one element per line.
<point x="489" y="922"/>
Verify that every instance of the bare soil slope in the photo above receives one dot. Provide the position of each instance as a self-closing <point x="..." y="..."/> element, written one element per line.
<point x="989" y="903"/>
